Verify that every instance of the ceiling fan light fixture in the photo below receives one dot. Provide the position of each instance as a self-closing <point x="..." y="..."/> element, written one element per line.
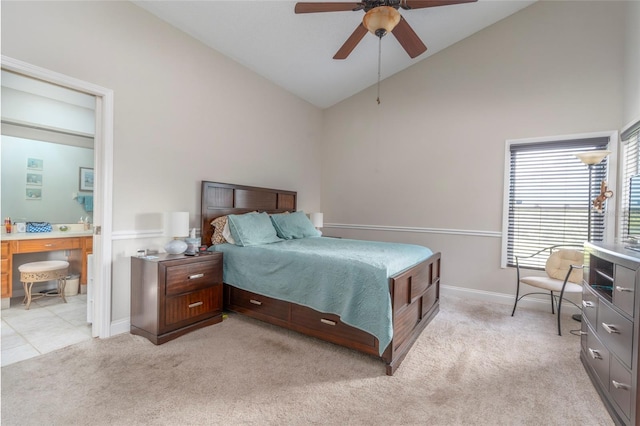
<point x="381" y="20"/>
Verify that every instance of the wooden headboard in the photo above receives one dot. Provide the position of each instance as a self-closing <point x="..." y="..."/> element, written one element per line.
<point x="220" y="199"/>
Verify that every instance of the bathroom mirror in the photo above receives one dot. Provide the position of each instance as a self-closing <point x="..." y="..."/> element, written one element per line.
<point x="47" y="151"/>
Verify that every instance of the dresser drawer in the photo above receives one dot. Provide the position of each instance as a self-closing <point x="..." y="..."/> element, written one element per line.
<point x="620" y="386"/>
<point x="45" y="244"/>
<point x="5" y="250"/>
<point x="616" y="332"/>
<point x="589" y="305"/>
<point x="598" y="357"/>
<point x="191" y="276"/>
<point x="242" y="300"/>
<point x="329" y="324"/>
<point x="191" y="307"/>
<point x="624" y="288"/>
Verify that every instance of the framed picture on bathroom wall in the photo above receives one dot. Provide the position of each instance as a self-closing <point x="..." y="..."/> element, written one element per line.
<point x="34" y="164"/>
<point x="33" y="194"/>
<point x="86" y="179"/>
<point x="34" y="179"/>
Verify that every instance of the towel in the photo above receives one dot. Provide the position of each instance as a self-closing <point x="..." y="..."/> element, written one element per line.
<point x="88" y="203"/>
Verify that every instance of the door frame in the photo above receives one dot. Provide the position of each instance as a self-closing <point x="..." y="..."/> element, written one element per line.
<point x="103" y="191"/>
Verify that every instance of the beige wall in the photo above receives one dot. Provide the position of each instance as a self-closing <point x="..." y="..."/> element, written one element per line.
<point x="432" y="154"/>
<point x="183" y="113"/>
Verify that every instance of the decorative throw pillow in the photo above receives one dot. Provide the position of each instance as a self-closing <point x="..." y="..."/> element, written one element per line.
<point x="226" y="233"/>
<point x="252" y="229"/>
<point x="218" y="227"/>
<point x="294" y="225"/>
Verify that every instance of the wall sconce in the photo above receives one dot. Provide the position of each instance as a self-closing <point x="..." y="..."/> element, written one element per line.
<point x="177" y="226"/>
<point x="317" y="220"/>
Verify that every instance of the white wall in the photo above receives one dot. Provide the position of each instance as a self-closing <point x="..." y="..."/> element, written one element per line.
<point x="632" y="63"/>
<point x="183" y="113"/>
<point x="431" y="156"/>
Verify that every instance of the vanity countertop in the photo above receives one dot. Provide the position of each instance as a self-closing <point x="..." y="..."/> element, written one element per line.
<point x="41" y="235"/>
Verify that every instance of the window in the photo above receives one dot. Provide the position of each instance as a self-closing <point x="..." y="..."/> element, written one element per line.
<point x="548" y="196"/>
<point x="630" y="167"/>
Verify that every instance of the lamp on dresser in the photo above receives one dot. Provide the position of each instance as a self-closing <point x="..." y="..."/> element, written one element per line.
<point x="317" y="219"/>
<point x="177" y="227"/>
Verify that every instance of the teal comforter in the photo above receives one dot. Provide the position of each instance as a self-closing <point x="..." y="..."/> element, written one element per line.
<point x="345" y="277"/>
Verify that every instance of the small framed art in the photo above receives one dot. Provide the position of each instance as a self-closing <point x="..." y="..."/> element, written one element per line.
<point x="86" y="179"/>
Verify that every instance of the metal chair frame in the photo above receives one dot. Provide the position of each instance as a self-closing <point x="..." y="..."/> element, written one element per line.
<point x="555" y="300"/>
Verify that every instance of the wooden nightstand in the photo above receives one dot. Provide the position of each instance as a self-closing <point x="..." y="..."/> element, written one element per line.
<point x="174" y="294"/>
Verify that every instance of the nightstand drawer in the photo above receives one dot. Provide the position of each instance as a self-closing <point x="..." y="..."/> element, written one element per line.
<point x="192" y="276"/>
<point x="329" y="324"/>
<point x="193" y="306"/>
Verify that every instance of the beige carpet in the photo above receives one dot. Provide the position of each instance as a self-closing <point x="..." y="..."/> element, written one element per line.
<point x="473" y="365"/>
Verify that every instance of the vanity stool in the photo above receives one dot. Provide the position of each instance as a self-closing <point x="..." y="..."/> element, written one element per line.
<point x="36" y="272"/>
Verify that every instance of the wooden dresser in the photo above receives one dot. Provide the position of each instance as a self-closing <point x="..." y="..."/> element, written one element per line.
<point x="610" y="327"/>
<point x="77" y="245"/>
<point x="174" y="294"/>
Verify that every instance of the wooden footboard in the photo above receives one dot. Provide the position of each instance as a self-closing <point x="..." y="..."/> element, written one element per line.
<point x="415" y="295"/>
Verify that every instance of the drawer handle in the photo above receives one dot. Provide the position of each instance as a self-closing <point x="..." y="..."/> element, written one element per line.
<point x="588" y="304"/>
<point x="624" y="289"/>
<point x="619" y="385"/>
<point x="194" y="276"/>
<point x="49" y="245"/>
<point x="195" y="304"/>
<point x="611" y="329"/>
<point x="328" y="322"/>
<point x="595" y="354"/>
<point x="255" y="302"/>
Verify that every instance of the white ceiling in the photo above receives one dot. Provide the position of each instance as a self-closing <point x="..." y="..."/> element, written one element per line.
<point x="295" y="51"/>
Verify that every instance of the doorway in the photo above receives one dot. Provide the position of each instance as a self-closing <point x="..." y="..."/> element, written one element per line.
<point x="103" y="164"/>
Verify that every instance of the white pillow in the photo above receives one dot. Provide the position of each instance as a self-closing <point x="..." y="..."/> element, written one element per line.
<point x="226" y="233"/>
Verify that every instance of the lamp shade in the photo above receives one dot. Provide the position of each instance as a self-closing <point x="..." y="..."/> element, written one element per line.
<point x="177" y="226"/>
<point x="591" y="158"/>
<point x="381" y="20"/>
<point x="317" y="219"/>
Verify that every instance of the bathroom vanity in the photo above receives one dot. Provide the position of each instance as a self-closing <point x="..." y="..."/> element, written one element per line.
<point x="77" y="244"/>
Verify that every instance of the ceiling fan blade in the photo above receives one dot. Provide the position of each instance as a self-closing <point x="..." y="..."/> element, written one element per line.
<point x="420" y="4"/>
<point x="327" y="7"/>
<point x="351" y="42"/>
<point x="409" y="39"/>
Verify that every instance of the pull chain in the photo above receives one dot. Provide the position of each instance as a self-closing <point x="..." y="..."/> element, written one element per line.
<point x="379" y="61"/>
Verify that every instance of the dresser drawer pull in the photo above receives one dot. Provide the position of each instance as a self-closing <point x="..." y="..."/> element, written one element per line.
<point x="624" y="289"/>
<point x="328" y="322"/>
<point x="619" y="385"/>
<point x="195" y="304"/>
<point x="255" y="302"/>
<point x="588" y="304"/>
<point x="595" y="354"/>
<point x="49" y="245"/>
<point x="195" y="276"/>
<point x="611" y="329"/>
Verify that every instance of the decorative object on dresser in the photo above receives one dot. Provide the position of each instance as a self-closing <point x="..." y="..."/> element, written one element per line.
<point x="610" y="328"/>
<point x="173" y="294"/>
<point x="563" y="269"/>
<point x="177" y="227"/>
<point x="412" y="294"/>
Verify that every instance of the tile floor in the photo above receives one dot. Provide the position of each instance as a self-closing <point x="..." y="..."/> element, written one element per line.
<point x="49" y="324"/>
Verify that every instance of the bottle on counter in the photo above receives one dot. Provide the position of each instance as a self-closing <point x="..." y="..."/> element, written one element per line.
<point x="7" y="225"/>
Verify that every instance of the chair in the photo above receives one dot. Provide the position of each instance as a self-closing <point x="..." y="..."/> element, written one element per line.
<point x="35" y="272"/>
<point x="564" y="275"/>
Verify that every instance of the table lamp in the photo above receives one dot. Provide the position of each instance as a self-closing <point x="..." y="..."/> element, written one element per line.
<point x="177" y="226"/>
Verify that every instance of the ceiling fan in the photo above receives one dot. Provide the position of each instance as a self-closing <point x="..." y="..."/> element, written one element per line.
<point x="381" y="17"/>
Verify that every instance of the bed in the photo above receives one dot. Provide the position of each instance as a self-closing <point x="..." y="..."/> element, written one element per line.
<point x="412" y="294"/>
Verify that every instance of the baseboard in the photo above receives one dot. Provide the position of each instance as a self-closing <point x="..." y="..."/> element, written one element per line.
<point x="532" y="302"/>
<point x="120" y="326"/>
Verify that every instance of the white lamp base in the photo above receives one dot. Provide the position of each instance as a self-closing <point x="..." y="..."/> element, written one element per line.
<point x="175" y="247"/>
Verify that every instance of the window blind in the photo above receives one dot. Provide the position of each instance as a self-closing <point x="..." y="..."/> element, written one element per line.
<point x="549" y="197"/>
<point x="630" y="168"/>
